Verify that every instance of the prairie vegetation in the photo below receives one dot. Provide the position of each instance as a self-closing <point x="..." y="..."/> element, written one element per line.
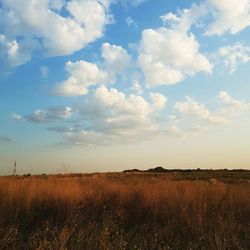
<point x="126" y="211"/>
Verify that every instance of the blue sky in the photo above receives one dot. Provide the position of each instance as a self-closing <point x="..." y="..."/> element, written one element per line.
<point x="103" y="85"/>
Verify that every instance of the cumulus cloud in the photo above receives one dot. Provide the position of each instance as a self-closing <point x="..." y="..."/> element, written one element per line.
<point x="193" y="116"/>
<point x="233" y="104"/>
<point x="220" y="16"/>
<point x="13" y="53"/>
<point x="232" y="16"/>
<point x="107" y="116"/>
<point x="136" y="87"/>
<point x="158" y="100"/>
<point x="167" y="56"/>
<point x="82" y="74"/>
<point x="104" y="116"/>
<point x="111" y="115"/>
<point x="190" y="107"/>
<point x="171" y="53"/>
<point x="40" y="24"/>
<point x="116" y="58"/>
<point x="84" y="137"/>
<point x="184" y="19"/>
<point x="51" y="114"/>
<point x="114" y="103"/>
<point x="232" y="55"/>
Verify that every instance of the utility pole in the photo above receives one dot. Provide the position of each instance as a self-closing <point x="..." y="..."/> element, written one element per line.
<point x="14" y="170"/>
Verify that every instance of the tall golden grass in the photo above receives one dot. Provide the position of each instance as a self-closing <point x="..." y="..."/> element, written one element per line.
<point x="123" y="211"/>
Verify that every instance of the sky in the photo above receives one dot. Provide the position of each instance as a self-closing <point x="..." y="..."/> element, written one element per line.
<point x="108" y="85"/>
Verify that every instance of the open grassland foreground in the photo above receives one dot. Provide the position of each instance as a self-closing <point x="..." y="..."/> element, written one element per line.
<point x="173" y="210"/>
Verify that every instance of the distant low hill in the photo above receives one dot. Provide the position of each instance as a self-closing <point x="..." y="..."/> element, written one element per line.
<point x="157" y="170"/>
<point x="152" y="170"/>
<point x="132" y="170"/>
<point x="199" y="174"/>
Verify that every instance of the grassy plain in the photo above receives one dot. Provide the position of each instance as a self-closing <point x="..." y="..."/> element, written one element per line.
<point x="132" y="210"/>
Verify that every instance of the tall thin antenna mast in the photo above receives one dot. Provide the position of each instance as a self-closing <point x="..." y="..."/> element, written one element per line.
<point x="14" y="170"/>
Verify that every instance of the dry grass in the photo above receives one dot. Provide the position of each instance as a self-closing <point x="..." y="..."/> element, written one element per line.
<point x="123" y="211"/>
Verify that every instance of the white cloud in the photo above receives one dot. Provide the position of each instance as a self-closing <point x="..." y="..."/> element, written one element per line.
<point x="158" y="100"/>
<point x="192" y="108"/>
<point x="195" y="116"/>
<point x="82" y="74"/>
<point x="185" y="18"/>
<point x="167" y="56"/>
<point x="40" y="22"/>
<point x="136" y="87"/>
<point x="171" y="53"/>
<point x="135" y="105"/>
<point x="232" y="16"/>
<point x="219" y="16"/>
<point x="170" y="18"/>
<point x="234" y="55"/>
<point x="233" y="104"/>
<point x="12" y="53"/>
<point x="51" y="114"/>
<point x="111" y="116"/>
<point x="70" y="87"/>
<point x="90" y="15"/>
<point x="85" y="137"/>
<point x="116" y="58"/>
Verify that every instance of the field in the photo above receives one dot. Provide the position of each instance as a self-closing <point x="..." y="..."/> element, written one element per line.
<point x="131" y="210"/>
